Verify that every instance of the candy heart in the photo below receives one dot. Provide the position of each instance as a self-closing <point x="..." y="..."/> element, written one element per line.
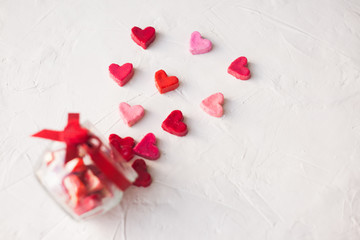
<point x="146" y="148"/>
<point x="238" y="69"/>
<point x="199" y="45"/>
<point x="92" y="182"/>
<point x="105" y="192"/>
<point x="49" y="158"/>
<point x="88" y="203"/>
<point x="131" y="114"/>
<point x="75" y="165"/>
<point x="121" y="74"/>
<point x="144" y="37"/>
<point x="144" y="178"/>
<point x="213" y="105"/>
<point x="174" y="124"/>
<point x="123" y="145"/>
<point x="74" y="187"/>
<point x="164" y="83"/>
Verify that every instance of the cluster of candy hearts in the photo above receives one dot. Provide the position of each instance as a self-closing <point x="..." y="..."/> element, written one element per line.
<point x="146" y="148"/>
<point x="85" y="185"/>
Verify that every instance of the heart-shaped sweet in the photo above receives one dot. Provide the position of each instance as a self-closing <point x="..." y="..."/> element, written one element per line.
<point x="174" y="124"/>
<point x="131" y="114"/>
<point x="144" y="37"/>
<point x="75" y="165"/>
<point x="239" y="69"/>
<point x="75" y="188"/>
<point x="199" y="45"/>
<point x="123" y="145"/>
<point x="87" y="203"/>
<point x="213" y="105"/>
<point x="144" y="178"/>
<point x="121" y="74"/>
<point x="93" y="183"/>
<point x="164" y="83"/>
<point x="147" y="148"/>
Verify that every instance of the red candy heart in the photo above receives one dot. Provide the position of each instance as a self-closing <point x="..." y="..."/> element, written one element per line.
<point x="88" y="203"/>
<point x="144" y="178"/>
<point x="164" y="83"/>
<point x="123" y="145"/>
<point x="121" y="74"/>
<point x="75" y="188"/>
<point x="146" y="148"/>
<point x="93" y="183"/>
<point x="238" y="69"/>
<point x="174" y="124"/>
<point x="144" y="37"/>
<point x="75" y="165"/>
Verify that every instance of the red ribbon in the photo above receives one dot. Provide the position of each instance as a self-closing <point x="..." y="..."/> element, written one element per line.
<point x="74" y="136"/>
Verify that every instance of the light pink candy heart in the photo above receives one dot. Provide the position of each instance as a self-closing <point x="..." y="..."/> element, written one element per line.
<point x="131" y="114"/>
<point x="199" y="45"/>
<point x="213" y="105"/>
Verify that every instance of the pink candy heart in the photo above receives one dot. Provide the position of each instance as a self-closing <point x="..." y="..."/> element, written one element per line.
<point x="147" y="148"/>
<point x="199" y="45"/>
<point x="121" y="74"/>
<point x="213" y="105"/>
<point x="131" y="114"/>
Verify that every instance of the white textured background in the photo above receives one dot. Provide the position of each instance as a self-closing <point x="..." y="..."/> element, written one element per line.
<point x="284" y="161"/>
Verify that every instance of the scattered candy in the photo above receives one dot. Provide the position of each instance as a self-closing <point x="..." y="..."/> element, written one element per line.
<point x="239" y="69"/>
<point x="213" y="105"/>
<point x="144" y="178"/>
<point x="123" y="145"/>
<point x="131" y="114"/>
<point x="174" y="124"/>
<point x="87" y="185"/>
<point x="199" y="45"/>
<point x="147" y="148"/>
<point x="164" y="83"/>
<point x="121" y="74"/>
<point x="144" y="37"/>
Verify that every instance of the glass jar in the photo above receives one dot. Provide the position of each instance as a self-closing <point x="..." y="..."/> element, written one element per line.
<point x="90" y="182"/>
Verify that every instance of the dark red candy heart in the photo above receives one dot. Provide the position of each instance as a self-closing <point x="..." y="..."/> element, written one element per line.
<point x="144" y="178"/>
<point x="147" y="148"/>
<point x="144" y="37"/>
<point x="165" y="83"/>
<point x="123" y="145"/>
<point x="174" y="124"/>
<point x="239" y="69"/>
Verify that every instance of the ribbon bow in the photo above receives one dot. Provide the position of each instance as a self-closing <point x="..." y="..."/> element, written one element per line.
<point x="75" y="136"/>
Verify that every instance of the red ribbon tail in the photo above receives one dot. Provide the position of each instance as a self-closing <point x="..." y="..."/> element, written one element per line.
<point x="109" y="169"/>
<point x="50" y="134"/>
<point x="73" y="119"/>
<point x="71" y="152"/>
